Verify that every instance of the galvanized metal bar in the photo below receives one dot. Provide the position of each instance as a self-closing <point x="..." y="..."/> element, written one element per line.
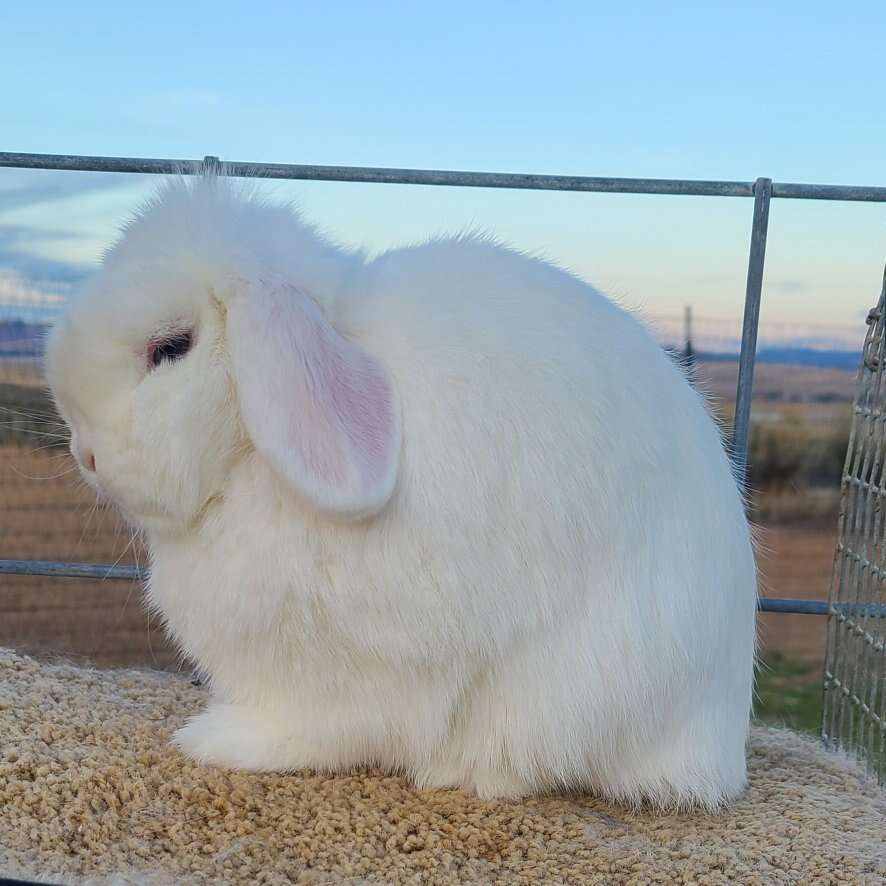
<point x="747" y="357"/>
<point x="135" y="573"/>
<point x="83" y="163"/>
<point x="853" y="193"/>
<point x="72" y="570"/>
<point x="796" y="607"/>
<point x="451" y="178"/>
<point x="844" y="611"/>
<point x="517" y="181"/>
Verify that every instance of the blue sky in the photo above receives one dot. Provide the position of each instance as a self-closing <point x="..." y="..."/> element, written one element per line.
<point x="696" y="90"/>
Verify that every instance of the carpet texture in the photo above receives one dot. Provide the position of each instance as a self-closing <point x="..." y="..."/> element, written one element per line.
<point x="91" y="793"/>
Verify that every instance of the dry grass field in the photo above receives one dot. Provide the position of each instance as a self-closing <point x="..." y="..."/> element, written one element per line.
<point x="47" y="514"/>
<point x="777" y="382"/>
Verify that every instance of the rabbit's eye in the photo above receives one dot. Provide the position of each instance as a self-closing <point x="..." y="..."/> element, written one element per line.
<point x="168" y="349"/>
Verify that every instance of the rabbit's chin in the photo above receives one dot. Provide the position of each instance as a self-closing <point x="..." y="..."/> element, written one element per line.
<point x="153" y="524"/>
<point x="145" y="516"/>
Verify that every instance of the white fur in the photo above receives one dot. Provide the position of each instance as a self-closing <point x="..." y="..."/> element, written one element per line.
<point x="557" y="593"/>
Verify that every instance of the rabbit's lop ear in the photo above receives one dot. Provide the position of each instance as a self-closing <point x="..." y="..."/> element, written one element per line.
<point x="318" y="407"/>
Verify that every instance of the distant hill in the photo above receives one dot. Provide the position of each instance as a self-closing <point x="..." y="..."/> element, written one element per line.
<point x="795" y="357"/>
<point x="21" y="340"/>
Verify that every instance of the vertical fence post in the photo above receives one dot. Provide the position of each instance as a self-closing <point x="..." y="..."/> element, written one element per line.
<point x="741" y="425"/>
<point x="688" y="349"/>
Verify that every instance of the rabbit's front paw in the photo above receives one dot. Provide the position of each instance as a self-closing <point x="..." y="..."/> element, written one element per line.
<point x="487" y="784"/>
<point x="237" y="737"/>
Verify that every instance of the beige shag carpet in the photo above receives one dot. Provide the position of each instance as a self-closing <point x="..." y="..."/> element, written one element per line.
<point x="91" y="793"/>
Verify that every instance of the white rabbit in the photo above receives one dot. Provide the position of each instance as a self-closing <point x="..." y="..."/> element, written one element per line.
<point x="449" y="512"/>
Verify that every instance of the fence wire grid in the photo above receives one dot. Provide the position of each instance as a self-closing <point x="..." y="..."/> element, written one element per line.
<point x="854" y="713"/>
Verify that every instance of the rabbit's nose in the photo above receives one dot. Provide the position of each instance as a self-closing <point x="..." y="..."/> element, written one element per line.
<point x="83" y="454"/>
<point x="85" y="458"/>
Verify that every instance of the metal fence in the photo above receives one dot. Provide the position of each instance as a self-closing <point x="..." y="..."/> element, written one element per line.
<point x="762" y="191"/>
<point x="854" y="716"/>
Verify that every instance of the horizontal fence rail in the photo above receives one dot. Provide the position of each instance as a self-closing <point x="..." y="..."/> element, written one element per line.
<point x="72" y="570"/>
<point x="763" y="190"/>
<point x="445" y="177"/>
<point x="136" y="573"/>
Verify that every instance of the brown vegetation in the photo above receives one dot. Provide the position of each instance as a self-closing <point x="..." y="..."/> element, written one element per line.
<point x="779" y="382"/>
<point x="46" y="513"/>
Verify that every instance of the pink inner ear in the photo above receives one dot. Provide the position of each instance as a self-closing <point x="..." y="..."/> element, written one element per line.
<point x="320" y="408"/>
<point x="360" y="395"/>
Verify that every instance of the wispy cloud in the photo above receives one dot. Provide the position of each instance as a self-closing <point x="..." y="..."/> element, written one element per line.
<point x="16" y="291"/>
<point x="17" y="255"/>
<point x="710" y="279"/>
<point x="33" y="286"/>
<point x="785" y="285"/>
<point x="790" y="286"/>
<point x="46" y="238"/>
<point x="24" y="188"/>
<point x="23" y="300"/>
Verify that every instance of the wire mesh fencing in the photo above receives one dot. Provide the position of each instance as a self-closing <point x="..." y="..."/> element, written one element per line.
<point x="854" y="711"/>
